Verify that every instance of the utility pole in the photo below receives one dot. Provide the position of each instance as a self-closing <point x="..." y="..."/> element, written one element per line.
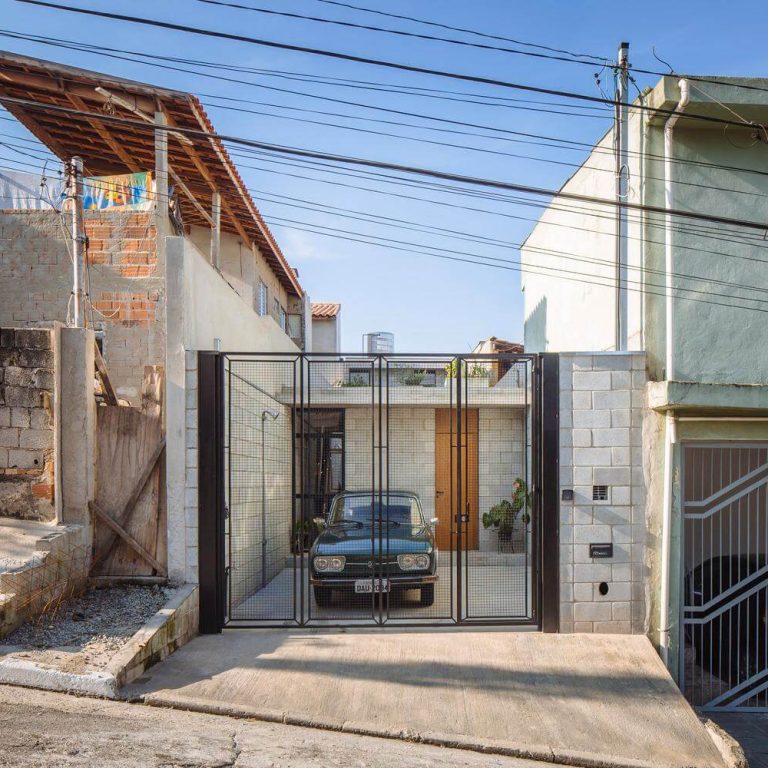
<point x="621" y="145"/>
<point x="75" y="197"/>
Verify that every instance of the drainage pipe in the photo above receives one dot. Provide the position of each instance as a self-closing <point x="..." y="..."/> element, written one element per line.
<point x="670" y="426"/>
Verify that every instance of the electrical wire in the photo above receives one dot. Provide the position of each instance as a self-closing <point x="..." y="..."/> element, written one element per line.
<point x="567" y="144"/>
<point x="366" y="60"/>
<point x="364" y="162"/>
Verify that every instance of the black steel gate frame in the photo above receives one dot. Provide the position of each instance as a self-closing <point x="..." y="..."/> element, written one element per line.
<point x="212" y="512"/>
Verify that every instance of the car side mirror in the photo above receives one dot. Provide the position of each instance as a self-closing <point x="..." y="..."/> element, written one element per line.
<point x="319" y="522"/>
<point x="434" y="521"/>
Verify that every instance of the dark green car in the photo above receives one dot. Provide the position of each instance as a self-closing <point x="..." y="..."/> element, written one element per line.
<point x="371" y="545"/>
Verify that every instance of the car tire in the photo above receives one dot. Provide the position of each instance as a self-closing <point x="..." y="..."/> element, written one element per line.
<point x="427" y="595"/>
<point x="323" y="596"/>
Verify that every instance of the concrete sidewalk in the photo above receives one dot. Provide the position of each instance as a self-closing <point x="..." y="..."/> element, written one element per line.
<point x="584" y="700"/>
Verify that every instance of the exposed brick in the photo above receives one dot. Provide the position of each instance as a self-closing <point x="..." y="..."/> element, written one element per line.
<point x="36" y="438"/>
<point x="23" y="397"/>
<point x="9" y="437"/>
<point x="24" y="459"/>
<point x="20" y="417"/>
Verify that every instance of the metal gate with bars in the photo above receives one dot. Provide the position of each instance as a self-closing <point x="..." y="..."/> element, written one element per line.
<point x="724" y="648"/>
<point x="372" y="489"/>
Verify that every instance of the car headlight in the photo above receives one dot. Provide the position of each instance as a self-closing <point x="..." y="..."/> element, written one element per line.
<point x="334" y="564"/>
<point x="413" y="562"/>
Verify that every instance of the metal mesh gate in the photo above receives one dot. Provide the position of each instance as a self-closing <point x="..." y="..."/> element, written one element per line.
<point x="725" y="582"/>
<point x="380" y="489"/>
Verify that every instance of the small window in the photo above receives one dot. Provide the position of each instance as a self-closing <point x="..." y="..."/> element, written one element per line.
<point x="276" y="309"/>
<point x="599" y="493"/>
<point x="263" y="296"/>
<point x="282" y="319"/>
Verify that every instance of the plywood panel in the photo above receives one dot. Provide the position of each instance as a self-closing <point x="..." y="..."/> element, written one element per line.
<point x="126" y="441"/>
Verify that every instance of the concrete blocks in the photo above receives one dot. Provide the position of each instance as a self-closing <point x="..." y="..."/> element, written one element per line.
<point x="602" y="441"/>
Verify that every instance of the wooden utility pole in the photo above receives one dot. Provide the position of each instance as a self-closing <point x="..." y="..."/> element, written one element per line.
<point x="75" y="196"/>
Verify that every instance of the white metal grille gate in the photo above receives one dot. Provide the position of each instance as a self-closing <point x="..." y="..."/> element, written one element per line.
<point x="724" y="645"/>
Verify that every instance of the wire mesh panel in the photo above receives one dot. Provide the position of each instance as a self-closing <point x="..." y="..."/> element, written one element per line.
<point x="381" y="488"/>
<point x="495" y="524"/>
<point x="263" y="535"/>
<point x="725" y="580"/>
<point x="343" y="550"/>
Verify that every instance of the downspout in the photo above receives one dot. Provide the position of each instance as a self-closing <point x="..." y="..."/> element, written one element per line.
<point x="670" y="426"/>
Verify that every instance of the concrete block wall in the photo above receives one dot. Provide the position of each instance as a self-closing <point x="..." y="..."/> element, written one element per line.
<point x="27" y="423"/>
<point x="127" y="284"/>
<point x="501" y="459"/>
<point x="601" y="411"/>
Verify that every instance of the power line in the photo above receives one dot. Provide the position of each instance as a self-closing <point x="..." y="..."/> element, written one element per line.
<point x="416" y="226"/>
<point x="596" y="57"/>
<point x="512" y="266"/>
<point x="557" y="140"/>
<point x="461" y="29"/>
<point x="366" y="60"/>
<point x="402" y="33"/>
<point x="415" y="170"/>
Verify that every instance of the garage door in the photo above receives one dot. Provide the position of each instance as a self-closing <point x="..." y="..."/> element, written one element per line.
<point x="725" y="582"/>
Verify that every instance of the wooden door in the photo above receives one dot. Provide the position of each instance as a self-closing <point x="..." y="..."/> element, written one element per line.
<point x="447" y="457"/>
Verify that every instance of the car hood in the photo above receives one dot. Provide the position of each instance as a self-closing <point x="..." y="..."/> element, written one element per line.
<point x="346" y="540"/>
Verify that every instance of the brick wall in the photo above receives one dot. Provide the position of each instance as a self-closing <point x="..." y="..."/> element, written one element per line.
<point x="26" y="424"/>
<point x="601" y="405"/>
<point x="127" y="283"/>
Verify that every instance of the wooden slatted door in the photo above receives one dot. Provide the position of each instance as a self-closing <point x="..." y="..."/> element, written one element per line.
<point x="447" y="458"/>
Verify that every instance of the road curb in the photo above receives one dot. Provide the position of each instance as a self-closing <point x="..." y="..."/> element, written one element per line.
<point x="727" y="746"/>
<point x="544" y="754"/>
<point x="165" y="631"/>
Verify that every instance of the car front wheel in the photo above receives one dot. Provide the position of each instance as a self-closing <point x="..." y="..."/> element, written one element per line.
<point x="427" y="595"/>
<point x="323" y="596"/>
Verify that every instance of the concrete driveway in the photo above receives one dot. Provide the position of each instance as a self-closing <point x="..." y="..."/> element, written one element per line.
<point x="578" y="699"/>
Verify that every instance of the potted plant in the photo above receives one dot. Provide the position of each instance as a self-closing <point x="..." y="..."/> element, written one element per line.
<point x="414" y="378"/>
<point x="502" y="517"/>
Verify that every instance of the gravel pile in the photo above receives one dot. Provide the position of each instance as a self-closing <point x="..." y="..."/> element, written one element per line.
<point x="93" y="626"/>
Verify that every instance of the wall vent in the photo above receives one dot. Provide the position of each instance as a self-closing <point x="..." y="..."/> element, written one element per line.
<point x="599" y="493"/>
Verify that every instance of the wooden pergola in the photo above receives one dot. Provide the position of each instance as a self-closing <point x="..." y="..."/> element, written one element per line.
<point x="210" y="187"/>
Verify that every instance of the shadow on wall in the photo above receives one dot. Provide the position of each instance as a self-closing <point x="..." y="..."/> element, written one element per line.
<point x="535" y="333"/>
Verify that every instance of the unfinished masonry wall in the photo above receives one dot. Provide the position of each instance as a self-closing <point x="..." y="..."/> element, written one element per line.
<point x="27" y="423"/>
<point x="601" y="414"/>
<point x="126" y="284"/>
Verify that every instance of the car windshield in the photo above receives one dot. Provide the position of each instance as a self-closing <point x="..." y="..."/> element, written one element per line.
<point x="363" y="509"/>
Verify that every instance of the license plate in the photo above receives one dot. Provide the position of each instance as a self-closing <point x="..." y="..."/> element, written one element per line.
<point x="368" y="586"/>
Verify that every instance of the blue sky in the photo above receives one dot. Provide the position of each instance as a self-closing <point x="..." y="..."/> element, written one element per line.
<point x="430" y="304"/>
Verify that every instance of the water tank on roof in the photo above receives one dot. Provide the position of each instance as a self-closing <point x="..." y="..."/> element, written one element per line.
<point x="380" y="341"/>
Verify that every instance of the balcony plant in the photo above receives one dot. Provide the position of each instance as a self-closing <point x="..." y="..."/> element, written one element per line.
<point x="414" y="378"/>
<point x="502" y="517"/>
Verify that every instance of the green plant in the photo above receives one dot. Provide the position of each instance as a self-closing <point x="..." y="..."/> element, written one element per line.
<point x="503" y="515"/>
<point x="414" y="378"/>
<point x="474" y="371"/>
<point x="355" y="381"/>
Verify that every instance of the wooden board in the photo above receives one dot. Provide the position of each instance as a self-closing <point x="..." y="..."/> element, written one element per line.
<point x="446" y="477"/>
<point x="127" y="439"/>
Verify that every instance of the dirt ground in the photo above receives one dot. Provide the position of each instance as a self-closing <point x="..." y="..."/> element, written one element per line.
<point x="42" y="729"/>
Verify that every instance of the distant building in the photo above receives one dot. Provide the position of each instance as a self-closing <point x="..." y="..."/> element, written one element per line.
<point x="326" y="327"/>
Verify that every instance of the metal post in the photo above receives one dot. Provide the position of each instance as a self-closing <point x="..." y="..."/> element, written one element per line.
<point x="161" y="177"/>
<point x="263" y="506"/>
<point x="75" y="196"/>
<point x="622" y="188"/>
<point x="216" y="230"/>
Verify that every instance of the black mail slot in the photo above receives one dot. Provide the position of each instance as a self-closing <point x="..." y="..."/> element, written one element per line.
<point x="600" y="550"/>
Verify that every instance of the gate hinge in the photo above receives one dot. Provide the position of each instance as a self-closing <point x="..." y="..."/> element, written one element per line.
<point x="226" y="512"/>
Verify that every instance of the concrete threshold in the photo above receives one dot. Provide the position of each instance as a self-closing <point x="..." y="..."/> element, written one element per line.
<point x="594" y="701"/>
<point x="488" y="746"/>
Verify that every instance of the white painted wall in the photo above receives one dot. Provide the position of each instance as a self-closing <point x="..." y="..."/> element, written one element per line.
<point x="326" y="334"/>
<point x="201" y="307"/>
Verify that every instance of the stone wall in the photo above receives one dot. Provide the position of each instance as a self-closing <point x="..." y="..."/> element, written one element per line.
<point x="601" y="412"/>
<point x="126" y="284"/>
<point x="27" y="423"/>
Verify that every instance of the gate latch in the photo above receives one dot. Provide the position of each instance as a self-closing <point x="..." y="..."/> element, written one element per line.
<point x="464" y="518"/>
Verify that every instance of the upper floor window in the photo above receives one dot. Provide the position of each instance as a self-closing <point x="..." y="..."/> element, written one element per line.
<point x="262" y="299"/>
